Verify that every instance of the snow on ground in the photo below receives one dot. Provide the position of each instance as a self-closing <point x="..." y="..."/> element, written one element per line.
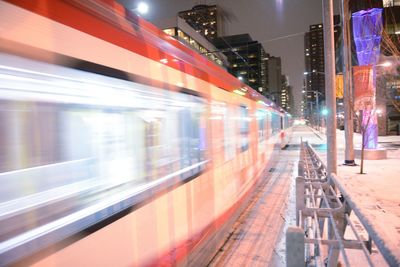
<point x="377" y="193"/>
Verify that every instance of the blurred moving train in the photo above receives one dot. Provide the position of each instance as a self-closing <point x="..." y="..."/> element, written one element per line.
<point x="119" y="145"/>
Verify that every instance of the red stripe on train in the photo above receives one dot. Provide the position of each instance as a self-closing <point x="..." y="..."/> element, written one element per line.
<point x="125" y="35"/>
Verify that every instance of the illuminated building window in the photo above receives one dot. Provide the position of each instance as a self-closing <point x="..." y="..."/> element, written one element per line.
<point x="170" y="31"/>
<point x="181" y="34"/>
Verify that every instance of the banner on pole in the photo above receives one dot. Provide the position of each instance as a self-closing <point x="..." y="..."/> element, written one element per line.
<point x="363" y="87"/>
<point x="339" y="86"/>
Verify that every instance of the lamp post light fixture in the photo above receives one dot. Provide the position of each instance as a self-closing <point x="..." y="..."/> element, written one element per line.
<point x="316" y="94"/>
<point x="385" y="64"/>
<point x="142" y="8"/>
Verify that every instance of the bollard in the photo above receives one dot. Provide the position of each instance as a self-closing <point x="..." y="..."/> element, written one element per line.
<point x="300" y="203"/>
<point x="300" y="168"/>
<point x="294" y="247"/>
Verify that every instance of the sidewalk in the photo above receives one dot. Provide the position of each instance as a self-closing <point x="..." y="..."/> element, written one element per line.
<point x="377" y="193"/>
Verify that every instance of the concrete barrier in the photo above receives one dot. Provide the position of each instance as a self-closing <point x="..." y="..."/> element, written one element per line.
<point x="295" y="247"/>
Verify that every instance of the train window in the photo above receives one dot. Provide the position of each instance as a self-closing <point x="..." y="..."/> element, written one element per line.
<point x="223" y="125"/>
<point x="217" y="120"/>
<point x="28" y="135"/>
<point x="268" y="124"/>
<point x="192" y="131"/>
<point x="162" y="142"/>
<point x="109" y="140"/>
<point x="244" y="128"/>
<point x="275" y="123"/>
<point x="261" y="116"/>
<point x="229" y="134"/>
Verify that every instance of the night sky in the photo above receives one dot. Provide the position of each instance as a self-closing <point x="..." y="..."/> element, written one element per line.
<point x="278" y="24"/>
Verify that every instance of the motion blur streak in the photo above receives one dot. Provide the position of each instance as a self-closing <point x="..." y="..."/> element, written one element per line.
<point x="105" y="160"/>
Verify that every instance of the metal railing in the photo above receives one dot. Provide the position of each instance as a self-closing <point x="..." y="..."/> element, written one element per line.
<point x="323" y="213"/>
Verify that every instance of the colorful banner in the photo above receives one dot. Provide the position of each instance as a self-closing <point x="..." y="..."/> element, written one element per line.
<point x="367" y="32"/>
<point x="364" y="93"/>
<point x="339" y="86"/>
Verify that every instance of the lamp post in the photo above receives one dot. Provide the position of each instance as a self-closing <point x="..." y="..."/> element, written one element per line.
<point x="330" y="99"/>
<point x="317" y="93"/>
<point x="348" y="99"/>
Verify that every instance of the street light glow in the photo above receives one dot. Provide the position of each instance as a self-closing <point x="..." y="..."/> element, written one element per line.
<point x="385" y="64"/>
<point x="142" y="8"/>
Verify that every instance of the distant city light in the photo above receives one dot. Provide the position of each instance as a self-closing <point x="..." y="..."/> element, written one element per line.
<point x="240" y="78"/>
<point x="143" y="8"/>
<point x="324" y="112"/>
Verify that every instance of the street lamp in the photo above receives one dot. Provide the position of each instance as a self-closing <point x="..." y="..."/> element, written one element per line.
<point x="385" y="64"/>
<point x="314" y="71"/>
<point x="316" y="95"/>
<point x="142" y="8"/>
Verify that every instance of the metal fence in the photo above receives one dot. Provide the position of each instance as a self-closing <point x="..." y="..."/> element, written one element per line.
<point x="323" y="214"/>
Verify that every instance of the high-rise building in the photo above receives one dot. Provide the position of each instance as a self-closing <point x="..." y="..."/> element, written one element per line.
<point x="179" y="29"/>
<point x="286" y="94"/>
<point x="204" y="19"/>
<point x="274" y="86"/>
<point x="247" y="58"/>
<point x="314" y="63"/>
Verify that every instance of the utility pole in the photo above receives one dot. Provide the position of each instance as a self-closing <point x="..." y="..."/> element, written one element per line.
<point x="330" y="95"/>
<point x="347" y="86"/>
